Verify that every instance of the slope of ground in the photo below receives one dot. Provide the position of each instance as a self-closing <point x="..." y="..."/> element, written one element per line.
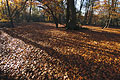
<point x="26" y="62"/>
<point x="85" y="54"/>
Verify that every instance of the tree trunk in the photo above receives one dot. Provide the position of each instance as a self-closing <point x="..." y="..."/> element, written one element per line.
<point x="9" y="14"/>
<point x="91" y="14"/>
<point x="81" y="5"/>
<point x="17" y="17"/>
<point x="60" y="19"/>
<point x="110" y="13"/>
<point x="86" y="12"/>
<point x="90" y="17"/>
<point x="107" y="23"/>
<point x="67" y="14"/>
<point x="56" y="21"/>
<point x="30" y="11"/>
<point x="52" y="13"/>
<point x="85" y="18"/>
<point x="71" y="16"/>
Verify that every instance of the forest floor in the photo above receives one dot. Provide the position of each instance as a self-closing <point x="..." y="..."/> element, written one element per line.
<point x="40" y="51"/>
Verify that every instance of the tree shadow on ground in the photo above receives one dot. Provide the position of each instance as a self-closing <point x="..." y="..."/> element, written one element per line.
<point x="41" y="35"/>
<point x="76" y="62"/>
<point x="89" y="34"/>
<point x="93" y="35"/>
<point x="98" y="36"/>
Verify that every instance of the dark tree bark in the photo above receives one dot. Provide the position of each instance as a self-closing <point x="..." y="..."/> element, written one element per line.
<point x="56" y="20"/>
<point x="54" y="17"/>
<point x="71" y="15"/>
<point x="81" y="5"/>
<point x="67" y="14"/>
<point x="85" y="18"/>
<point x="9" y="14"/>
<point x="86" y="12"/>
<point x="30" y="11"/>
<point x="60" y="18"/>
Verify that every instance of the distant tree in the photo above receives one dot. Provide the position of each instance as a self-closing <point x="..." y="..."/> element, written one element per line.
<point x="80" y="11"/>
<point x="9" y="14"/>
<point x="30" y="10"/>
<point x="109" y="10"/>
<point x="81" y="5"/>
<point x="91" y="11"/>
<point x="87" y="4"/>
<point x="52" y="7"/>
<point x="12" y="9"/>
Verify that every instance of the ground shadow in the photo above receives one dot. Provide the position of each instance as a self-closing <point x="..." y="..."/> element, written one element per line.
<point x="64" y="41"/>
<point x="109" y="36"/>
<point x="74" y="60"/>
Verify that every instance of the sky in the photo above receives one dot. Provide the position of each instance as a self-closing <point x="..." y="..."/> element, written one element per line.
<point x="78" y="6"/>
<point x="83" y="9"/>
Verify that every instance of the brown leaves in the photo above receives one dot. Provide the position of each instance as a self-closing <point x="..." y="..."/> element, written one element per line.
<point x="83" y="55"/>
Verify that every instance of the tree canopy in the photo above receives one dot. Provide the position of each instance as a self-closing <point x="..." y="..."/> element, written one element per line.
<point x="90" y="12"/>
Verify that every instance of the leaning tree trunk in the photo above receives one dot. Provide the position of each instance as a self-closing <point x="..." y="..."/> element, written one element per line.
<point x="107" y="23"/>
<point x="81" y="5"/>
<point x="52" y="13"/>
<point x="9" y="14"/>
<point x="110" y="14"/>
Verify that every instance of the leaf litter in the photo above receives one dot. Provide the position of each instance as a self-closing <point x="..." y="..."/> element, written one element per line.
<point x="40" y="51"/>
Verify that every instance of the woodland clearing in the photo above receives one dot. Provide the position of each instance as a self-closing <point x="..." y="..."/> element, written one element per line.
<point x="56" y="53"/>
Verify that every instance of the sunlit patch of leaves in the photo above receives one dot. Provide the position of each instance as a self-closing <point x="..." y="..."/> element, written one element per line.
<point x="28" y="62"/>
<point x="90" y="55"/>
